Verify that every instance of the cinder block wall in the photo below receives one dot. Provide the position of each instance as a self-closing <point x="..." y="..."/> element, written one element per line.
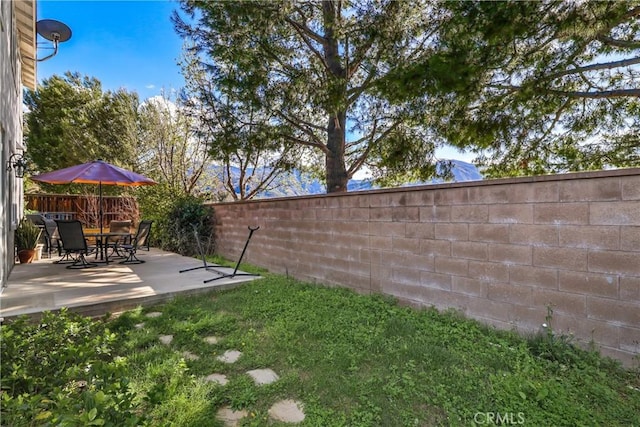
<point x="500" y="251"/>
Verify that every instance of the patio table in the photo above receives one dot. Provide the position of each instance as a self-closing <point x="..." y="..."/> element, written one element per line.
<point x="101" y="242"/>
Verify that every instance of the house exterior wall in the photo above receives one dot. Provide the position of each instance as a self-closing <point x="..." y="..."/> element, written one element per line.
<point x="500" y="251"/>
<point x="11" y="188"/>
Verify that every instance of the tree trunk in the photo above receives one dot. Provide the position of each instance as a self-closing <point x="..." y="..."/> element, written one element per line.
<point x="336" y="172"/>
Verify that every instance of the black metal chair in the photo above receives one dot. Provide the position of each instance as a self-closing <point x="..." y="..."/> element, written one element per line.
<point x="145" y="241"/>
<point x="114" y="242"/>
<point x="74" y="242"/>
<point x="36" y="218"/>
<point x="139" y="240"/>
<point x="52" y="241"/>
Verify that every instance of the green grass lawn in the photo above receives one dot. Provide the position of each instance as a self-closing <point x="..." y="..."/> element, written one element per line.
<point x="352" y="360"/>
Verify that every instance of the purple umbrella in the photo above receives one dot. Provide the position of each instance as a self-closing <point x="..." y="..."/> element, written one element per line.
<point x="95" y="172"/>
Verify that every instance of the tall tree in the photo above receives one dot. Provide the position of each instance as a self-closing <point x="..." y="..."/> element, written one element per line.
<point x="249" y="150"/>
<point x="172" y="150"/>
<point x="533" y="87"/>
<point x="70" y="120"/>
<point x="310" y="71"/>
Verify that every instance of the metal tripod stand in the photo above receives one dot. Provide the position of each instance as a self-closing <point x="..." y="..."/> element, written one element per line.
<point x="210" y="267"/>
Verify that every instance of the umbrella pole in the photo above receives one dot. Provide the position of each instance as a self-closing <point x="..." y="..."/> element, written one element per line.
<point x="100" y="213"/>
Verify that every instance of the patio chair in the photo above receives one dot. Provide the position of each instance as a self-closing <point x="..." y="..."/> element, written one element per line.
<point x="52" y="240"/>
<point x="37" y="219"/>
<point x="114" y="242"/>
<point x="140" y="239"/>
<point x="74" y="242"/>
<point x="145" y="241"/>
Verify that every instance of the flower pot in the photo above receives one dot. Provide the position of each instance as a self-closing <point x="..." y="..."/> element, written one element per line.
<point x="39" y="249"/>
<point x="26" y="255"/>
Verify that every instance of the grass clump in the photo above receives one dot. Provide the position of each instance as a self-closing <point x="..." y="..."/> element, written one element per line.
<point x="352" y="360"/>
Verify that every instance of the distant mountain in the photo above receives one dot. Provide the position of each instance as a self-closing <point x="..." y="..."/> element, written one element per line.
<point x="297" y="183"/>
<point x="461" y="171"/>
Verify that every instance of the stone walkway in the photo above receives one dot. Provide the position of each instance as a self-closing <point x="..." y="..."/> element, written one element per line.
<point x="287" y="411"/>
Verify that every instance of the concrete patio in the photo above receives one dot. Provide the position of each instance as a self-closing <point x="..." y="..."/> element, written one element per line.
<point x="43" y="285"/>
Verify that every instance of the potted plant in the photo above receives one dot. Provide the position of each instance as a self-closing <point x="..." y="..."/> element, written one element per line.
<point x="26" y="238"/>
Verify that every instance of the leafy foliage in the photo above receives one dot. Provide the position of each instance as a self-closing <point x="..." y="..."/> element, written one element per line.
<point x="173" y="150"/>
<point x="239" y="136"/>
<point x="532" y="87"/>
<point x="63" y="371"/>
<point x="302" y="77"/>
<point x="186" y="215"/>
<point x="27" y="235"/>
<point x="70" y="120"/>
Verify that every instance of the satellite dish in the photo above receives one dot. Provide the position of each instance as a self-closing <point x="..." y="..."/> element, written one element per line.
<point x="54" y="31"/>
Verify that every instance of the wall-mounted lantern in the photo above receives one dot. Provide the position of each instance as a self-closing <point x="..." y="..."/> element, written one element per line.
<point x="18" y="164"/>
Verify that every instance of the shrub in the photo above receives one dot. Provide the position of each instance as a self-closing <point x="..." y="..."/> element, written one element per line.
<point x="177" y="228"/>
<point x="61" y="371"/>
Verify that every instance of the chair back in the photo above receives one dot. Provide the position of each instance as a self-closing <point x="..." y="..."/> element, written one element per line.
<point x="50" y="228"/>
<point x="142" y="236"/>
<point x="37" y="219"/>
<point x="120" y="226"/>
<point x="71" y="234"/>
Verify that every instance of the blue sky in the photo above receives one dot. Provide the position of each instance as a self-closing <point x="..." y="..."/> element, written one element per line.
<point x="124" y="44"/>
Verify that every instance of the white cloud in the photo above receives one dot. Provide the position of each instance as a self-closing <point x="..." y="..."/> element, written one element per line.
<point x="150" y="86"/>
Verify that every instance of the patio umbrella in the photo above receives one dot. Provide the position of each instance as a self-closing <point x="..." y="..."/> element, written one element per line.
<point x="95" y="172"/>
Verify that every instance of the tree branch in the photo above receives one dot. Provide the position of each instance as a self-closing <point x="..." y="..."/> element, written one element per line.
<point x="301" y="141"/>
<point x="354" y="93"/>
<point x="594" y="67"/>
<point x="632" y="13"/>
<point x="313" y="142"/>
<point x="626" y="44"/>
<point x="305" y="32"/>
<point x="363" y="157"/>
<point x="303" y="29"/>
<point x="595" y="95"/>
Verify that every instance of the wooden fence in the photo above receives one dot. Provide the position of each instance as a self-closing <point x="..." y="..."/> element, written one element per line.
<point x="83" y="207"/>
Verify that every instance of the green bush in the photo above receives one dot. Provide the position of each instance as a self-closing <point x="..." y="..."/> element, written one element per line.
<point x="177" y="227"/>
<point x="155" y="203"/>
<point x="61" y="371"/>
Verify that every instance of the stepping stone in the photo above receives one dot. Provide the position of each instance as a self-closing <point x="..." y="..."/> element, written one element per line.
<point x="166" y="339"/>
<point x="287" y="411"/>
<point x="229" y="417"/>
<point x="190" y="356"/>
<point x="154" y="314"/>
<point x="230" y="356"/>
<point x="217" y="378"/>
<point x="139" y="326"/>
<point x="263" y="376"/>
<point x="211" y="340"/>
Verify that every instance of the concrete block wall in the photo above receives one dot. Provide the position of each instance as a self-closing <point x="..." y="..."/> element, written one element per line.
<point x="500" y="251"/>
